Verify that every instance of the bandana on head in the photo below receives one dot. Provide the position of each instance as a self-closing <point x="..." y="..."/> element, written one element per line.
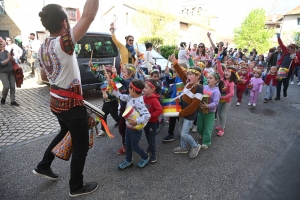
<point x="231" y="69"/>
<point x="216" y="75"/>
<point x="135" y="88"/>
<point x="194" y="71"/>
<point x="151" y="85"/>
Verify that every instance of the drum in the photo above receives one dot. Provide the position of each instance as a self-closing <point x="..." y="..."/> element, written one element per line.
<point x="205" y="99"/>
<point x="179" y="87"/>
<point x="283" y="72"/>
<point x="223" y="93"/>
<point x="131" y="114"/>
<point x="171" y="108"/>
<point x="64" y="148"/>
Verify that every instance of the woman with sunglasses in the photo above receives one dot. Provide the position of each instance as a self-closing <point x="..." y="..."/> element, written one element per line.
<point x="127" y="52"/>
<point x="289" y="60"/>
<point x="17" y="51"/>
<point x="201" y="53"/>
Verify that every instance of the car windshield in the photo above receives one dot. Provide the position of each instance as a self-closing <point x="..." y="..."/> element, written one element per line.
<point x="102" y="47"/>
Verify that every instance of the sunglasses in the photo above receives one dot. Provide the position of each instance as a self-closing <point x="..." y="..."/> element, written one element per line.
<point x="201" y="46"/>
<point x="130" y="40"/>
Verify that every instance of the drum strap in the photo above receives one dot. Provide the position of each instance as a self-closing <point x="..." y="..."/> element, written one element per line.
<point x="66" y="93"/>
<point x="183" y="92"/>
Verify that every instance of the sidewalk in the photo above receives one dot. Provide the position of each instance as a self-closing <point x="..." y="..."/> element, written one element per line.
<point x="254" y="138"/>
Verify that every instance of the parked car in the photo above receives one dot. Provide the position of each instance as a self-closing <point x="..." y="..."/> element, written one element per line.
<point x="104" y="52"/>
<point x="160" y="60"/>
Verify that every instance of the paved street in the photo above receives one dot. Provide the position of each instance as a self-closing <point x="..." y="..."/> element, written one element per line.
<point x="254" y="138"/>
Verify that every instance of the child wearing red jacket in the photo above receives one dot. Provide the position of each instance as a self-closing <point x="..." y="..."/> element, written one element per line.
<point x="151" y="99"/>
<point x="271" y="82"/>
<point x="242" y="84"/>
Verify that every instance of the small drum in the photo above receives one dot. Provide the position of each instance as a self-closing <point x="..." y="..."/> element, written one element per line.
<point x="250" y="86"/>
<point x="131" y="114"/>
<point x="179" y="87"/>
<point x="171" y="108"/>
<point x="64" y="148"/>
<point x="283" y="72"/>
<point x="205" y="99"/>
<point x="103" y="87"/>
<point x="223" y="93"/>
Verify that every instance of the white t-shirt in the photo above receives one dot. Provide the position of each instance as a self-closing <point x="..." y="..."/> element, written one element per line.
<point x="58" y="60"/>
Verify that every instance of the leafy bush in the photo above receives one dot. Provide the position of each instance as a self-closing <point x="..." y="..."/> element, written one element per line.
<point x="167" y="50"/>
<point x="156" y="41"/>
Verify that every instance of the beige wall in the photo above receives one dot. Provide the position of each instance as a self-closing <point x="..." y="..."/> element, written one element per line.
<point x="7" y="24"/>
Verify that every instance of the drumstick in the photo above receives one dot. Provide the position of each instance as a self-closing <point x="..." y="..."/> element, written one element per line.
<point x="114" y="62"/>
<point x="91" y="56"/>
<point x="108" y="80"/>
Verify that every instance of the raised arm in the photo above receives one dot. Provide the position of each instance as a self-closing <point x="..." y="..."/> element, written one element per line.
<point x="114" y="38"/>
<point x="88" y="15"/>
<point x="284" y="49"/>
<point x="220" y="69"/>
<point x="211" y="42"/>
<point x="181" y="73"/>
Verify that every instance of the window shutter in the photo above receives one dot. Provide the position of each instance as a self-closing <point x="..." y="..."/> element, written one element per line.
<point x="77" y="14"/>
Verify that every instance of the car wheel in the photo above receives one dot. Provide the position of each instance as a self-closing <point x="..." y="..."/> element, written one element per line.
<point x="37" y="75"/>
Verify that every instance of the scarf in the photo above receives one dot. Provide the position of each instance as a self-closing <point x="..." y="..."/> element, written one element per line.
<point x="130" y="49"/>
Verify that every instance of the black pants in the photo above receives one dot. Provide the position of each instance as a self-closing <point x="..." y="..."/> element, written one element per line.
<point x="172" y="124"/>
<point x="285" y="83"/>
<point x="112" y="109"/>
<point x="75" y="121"/>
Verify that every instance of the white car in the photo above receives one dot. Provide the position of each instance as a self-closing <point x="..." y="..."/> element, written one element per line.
<point x="159" y="59"/>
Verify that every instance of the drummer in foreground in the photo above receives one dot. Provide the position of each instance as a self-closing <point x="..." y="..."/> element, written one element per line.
<point x="191" y="98"/>
<point x="133" y="136"/>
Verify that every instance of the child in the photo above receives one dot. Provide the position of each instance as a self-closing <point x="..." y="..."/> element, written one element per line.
<point x="133" y="136"/>
<point x="205" y="120"/>
<point x="110" y="105"/>
<point x="191" y="97"/>
<point x="271" y="82"/>
<point x="228" y="76"/>
<point x="128" y="73"/>
<point x="242" y="84"/>
<point x="256" y="84"/>
<point x="151" y="99"/>
<point x="208" y="67"/>
<point x="172" y="121"/>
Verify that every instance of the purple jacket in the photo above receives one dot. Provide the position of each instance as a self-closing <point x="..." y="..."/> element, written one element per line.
<point x="257" y="84"/>
<point x="215" y="95"/>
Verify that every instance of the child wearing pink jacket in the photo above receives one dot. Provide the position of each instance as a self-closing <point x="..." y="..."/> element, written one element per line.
<point x="256" y="85"/>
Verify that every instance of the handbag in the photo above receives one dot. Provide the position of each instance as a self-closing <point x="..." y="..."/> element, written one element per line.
<point x="284" y="72"/>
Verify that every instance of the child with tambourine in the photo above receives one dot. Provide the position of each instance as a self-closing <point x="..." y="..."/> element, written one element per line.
<point x="151" y="99"/>
<point x="132" y="134"/>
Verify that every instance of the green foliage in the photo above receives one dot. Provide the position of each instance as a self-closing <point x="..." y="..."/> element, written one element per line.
<point x="167" y="50"/>
<point x="297" y="38"/>
<point x="156" y="41"/>
<point x="253" y="33"/>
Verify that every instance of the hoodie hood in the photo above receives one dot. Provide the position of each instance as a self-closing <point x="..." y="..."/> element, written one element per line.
<point x="154" y="95"/>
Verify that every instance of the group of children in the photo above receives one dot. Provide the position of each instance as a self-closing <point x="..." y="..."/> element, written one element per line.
<point x="207" y="89"/>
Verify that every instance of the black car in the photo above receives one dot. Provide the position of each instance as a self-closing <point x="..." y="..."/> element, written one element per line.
<point x="104" y="52"/>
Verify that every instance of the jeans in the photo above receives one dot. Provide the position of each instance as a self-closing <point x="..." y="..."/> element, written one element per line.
<point x="185" y="137"/>
<point x="122" y="125"/>
<point x="270" y="90"/>
<point x="74" y="120"/>
<point x="205" y="125"/>
<point x="297" y="73"/>
<point x="9" y="83"/>
<point x="150" y="131"/>
<point x="239" y="95"/>
<point x="132" y="138"/>
<point x="253" y="96"/>
<point x="112" y="109"/>
<point x="285" y="83"/>
<point x="222" y="112"/>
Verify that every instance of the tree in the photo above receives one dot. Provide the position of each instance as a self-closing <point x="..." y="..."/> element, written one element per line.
<point x="253" y="33"/>
<point x="156" y="41"/>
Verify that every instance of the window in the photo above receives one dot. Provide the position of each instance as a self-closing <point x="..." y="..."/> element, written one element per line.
<point x="72" y="13"/>
<point x="298" y="21"/>
<point x="102" y="47"/>
<point x="2" y="7"/>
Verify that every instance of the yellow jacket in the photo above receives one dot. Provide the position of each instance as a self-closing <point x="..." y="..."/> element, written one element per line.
<point x="123" y="51"/>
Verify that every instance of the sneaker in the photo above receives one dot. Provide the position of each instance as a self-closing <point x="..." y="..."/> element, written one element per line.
<point x="125" y="165"/>
<point x="116" y="125"/>
<point x="157" y="130"/>
<point x="216" y="118"/>
<point x="194" y="151"/>
<point x="153" y="159"/>
<point x="292" y="83"/>
<point x="88" y="187"/>
<point x="298" y="83"/>
<point x="249" y="104"/>
<point x="101" y="133"/>
<point x="2" y="101"/>
<point x="220" y="132"/>
<point x="14" y="104"/>
<point x="194" y="130"/>
<point x="204" y="146"/>
<point x="45" y="173"/>
<point x="180" y="150"/>
<point x="218" y="128"/>
<point x="270" y="99"/>
<point x="238" y="103"/>
<point x="168" y="138"/>
<point x="143" y="162"/>
<point x="277" y="98"/>
<point x="284" y="94"/>
<point x="168" y="120"/>
<point x="254" y="104"/>
<point x="122" y="151"/>
<point x="265" y="100"/>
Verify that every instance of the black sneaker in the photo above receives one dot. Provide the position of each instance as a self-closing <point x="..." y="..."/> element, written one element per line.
<point x="270" y="99"/>
<point x="265" y="100"/>
<point x="45" y="173"/>
<point x="284" y="94"/>
<point x="2" y="101"/>
<point x="277" y="98"/>
<point x="14" y="104"/>
<point x="88" y="187"/>
<point x="168" y="138"/>
<point x="153" y="159"/>
<point x="116" y="125"/>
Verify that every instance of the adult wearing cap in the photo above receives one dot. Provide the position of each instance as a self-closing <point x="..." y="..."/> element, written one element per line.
<point x="290" y="59"/>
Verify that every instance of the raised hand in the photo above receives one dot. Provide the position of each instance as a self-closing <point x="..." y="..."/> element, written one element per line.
<point x="114" y="70"/>
<point x="208" y="34"/>
<point x="173" y="58"/>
